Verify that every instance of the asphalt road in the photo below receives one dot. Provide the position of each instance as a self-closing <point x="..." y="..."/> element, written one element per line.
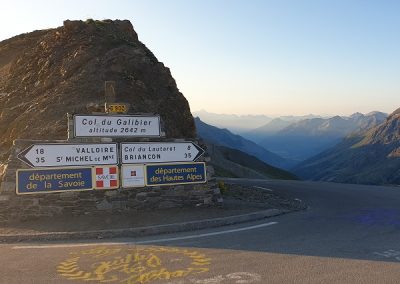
<point x="349" y="234"/>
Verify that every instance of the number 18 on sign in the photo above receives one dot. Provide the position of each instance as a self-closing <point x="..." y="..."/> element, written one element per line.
<point x="56" y="155"/>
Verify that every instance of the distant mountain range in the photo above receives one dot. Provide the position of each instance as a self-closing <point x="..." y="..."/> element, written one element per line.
<point x="271" y="128"/>
<point x="361" y="148"/>
<point x="223" y="137"/>
<point x="367" y="156"/>
<point x="303" y="139"/>
<point x="294" y="138"/>
<point x="241" y="123"/>
<point x="235" y="123"/>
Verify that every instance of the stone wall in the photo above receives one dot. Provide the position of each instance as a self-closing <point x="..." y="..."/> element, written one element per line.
<point x="19" y="207"/>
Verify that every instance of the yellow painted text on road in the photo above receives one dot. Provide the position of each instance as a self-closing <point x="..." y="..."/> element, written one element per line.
<point x="133" y="265"/>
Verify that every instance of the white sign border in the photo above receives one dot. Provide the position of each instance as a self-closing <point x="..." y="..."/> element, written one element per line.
<point x="95" y="188"/>
<point x="82" y="143"/>
<point x="202" y="151"/>
<point x="122" y="176"/>
<point x="120" y="115"/>
<point x="52" y="191"/>
<point x="172" y="164"/>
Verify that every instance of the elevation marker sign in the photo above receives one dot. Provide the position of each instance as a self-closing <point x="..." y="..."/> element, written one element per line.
<point x="116" y="126"/>
<point x="60" y="155"/>
<point x="159" y="152"/>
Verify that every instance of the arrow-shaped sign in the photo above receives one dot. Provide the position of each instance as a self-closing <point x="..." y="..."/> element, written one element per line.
<point x="159" y="152"/>
<point x="54" y="155"/>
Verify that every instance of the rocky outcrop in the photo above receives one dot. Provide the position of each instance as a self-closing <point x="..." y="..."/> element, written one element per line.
<point x="388" y="133"/>
<point x="46" y="74"/>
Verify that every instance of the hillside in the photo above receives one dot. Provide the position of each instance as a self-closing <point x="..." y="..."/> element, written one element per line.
<point x="45" y="74"/>
<point x="271" y="128"/>
<point x="224" y="137"/>
<point x="371" y="157"/>
<point x="229" y="162"/>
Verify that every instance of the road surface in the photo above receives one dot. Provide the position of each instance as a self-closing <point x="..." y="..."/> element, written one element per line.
<point x="349" y="234"/>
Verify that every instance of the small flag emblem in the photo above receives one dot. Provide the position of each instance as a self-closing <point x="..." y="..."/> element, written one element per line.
<point x="106" y="177"/>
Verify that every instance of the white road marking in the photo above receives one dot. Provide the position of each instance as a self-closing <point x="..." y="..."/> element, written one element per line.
<point x="68" y="245"/>
<point x="260" y="187"/>
<point x="237" y="277"/>
<point x="391" y="253"/>
<point x="150" y="241"/>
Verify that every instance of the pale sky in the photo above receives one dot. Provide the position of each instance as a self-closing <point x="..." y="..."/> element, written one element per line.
<point x="256" y="56"/>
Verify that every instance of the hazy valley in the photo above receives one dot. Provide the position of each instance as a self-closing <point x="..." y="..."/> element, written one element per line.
<point x="361" y="148"/>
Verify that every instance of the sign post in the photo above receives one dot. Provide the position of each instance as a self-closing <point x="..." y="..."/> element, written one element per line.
<point x="109" y="91"/>
<point x="58" y="167"/>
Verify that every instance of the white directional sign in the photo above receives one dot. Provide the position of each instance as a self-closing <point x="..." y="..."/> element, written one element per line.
<point x="159" y="152"/>
<point x="54" y="155"/>
<point x="116" y="126"/>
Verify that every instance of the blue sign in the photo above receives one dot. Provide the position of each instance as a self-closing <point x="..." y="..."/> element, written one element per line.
<point x="170" y="174"/>
<point x="54" y="180"/>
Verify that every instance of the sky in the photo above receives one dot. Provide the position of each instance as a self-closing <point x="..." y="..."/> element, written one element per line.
<point x="273" y="57"/>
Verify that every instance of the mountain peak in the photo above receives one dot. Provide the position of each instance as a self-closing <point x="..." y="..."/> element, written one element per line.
<point x="356" y="115"/>
<point x="46" y="74"/>
<point x="376" y="112"/>
<point x="396" y="112"/>
<point x="117" y="27"/>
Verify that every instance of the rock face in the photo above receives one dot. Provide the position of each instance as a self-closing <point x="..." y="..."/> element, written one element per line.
<point x="45" y="74"/>
<point x="372" y="157"/>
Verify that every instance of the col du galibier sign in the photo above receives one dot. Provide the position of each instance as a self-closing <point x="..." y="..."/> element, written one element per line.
<point x="116" y="126"/>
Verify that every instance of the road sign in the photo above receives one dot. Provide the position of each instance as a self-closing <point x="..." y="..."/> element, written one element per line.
<point x="54" y="180"/>
<point x="159" y="152"/>
<point x="116" y="126"/>
<point x="117" y="108"/>
<point x="56" y="155"/>
<point x="172" y="174"/>
<point x="106" y="177"/>
<point x="132" y="176"/>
